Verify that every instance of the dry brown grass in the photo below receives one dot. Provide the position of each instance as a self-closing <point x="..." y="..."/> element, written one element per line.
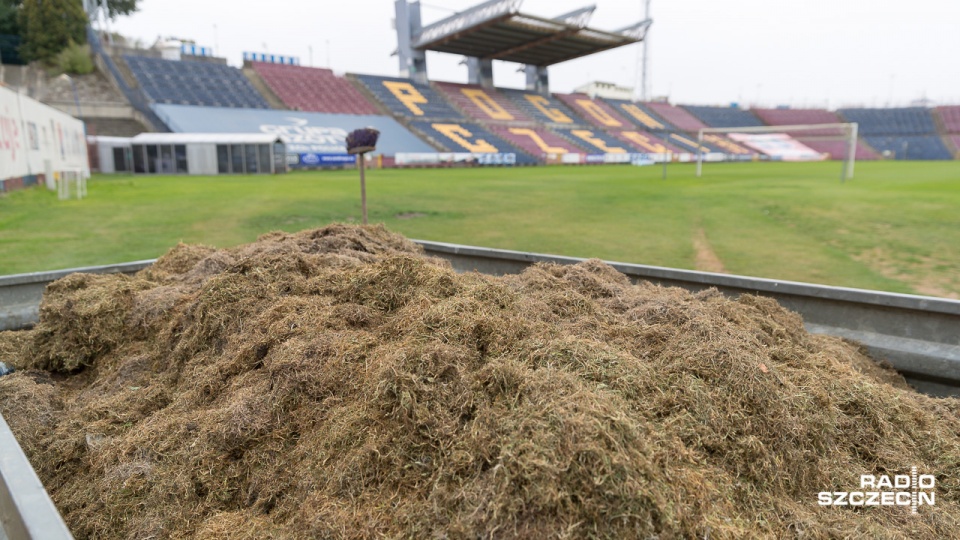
<point x="337" y="384"/>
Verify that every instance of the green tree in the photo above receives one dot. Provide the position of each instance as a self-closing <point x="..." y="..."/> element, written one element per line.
<point x="8" y="17"/>
<point x="116" y="8"/>
<point x="49" y="26"/>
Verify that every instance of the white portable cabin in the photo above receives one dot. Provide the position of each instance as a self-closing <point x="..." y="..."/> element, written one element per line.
<point x="114" y="154"/>
<point x="208" y="153"/>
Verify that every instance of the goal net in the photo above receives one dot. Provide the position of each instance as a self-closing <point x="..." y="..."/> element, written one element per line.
<point x="71" y="183"/>
<point x="838" y="140"/>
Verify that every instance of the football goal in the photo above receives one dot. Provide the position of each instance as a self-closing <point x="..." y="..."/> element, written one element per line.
<point x="71" y="183"/>
<point x="819" y="135"/>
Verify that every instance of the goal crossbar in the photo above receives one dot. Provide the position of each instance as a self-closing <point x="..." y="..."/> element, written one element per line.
<point x="848" y="129"/>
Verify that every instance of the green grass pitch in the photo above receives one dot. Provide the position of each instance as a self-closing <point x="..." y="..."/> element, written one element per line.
<point x="895" y="227"/>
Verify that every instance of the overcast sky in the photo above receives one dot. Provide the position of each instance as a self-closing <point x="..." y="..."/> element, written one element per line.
<point x="823" y="53"/>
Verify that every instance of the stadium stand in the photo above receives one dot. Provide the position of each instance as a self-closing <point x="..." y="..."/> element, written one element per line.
<point x="724" y="117"/>
<point x="913" y="147"/>
<point x="903" y="121"/>
<point x="799" y="117"/>
<point x="837" y="149"/>
<point x="193" y="83"/>
<point x="537" y="142"/>
<point x="815" y="139"/>
<point x="546" y="109"/>
<point x="640" y="115"/>
<point x="596" y="141"/>
<point x="950" y="118"/>
<point x="645" y="142"/>
<point x="472" y="138"/>
<point x="484" y="104"/>
<point x="406" y="98"/>
<point x="595" y="112"/>
<point x="681" y="119"/>
<point x="955" y="140"/>
<point x="313" y="89"/>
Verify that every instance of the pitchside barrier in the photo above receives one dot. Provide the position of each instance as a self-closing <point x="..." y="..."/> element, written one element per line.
<point x="432" y="159"/>
<point x="916" y="334"/>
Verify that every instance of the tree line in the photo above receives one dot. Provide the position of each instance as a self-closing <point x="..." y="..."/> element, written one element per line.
<point x="46" y="27"/>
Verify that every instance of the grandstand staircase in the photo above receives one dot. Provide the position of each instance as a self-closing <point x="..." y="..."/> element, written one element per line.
<point x="263" y="89"/>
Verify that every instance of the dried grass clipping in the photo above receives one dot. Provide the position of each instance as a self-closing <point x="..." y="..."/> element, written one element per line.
<point x="336" y="383"/>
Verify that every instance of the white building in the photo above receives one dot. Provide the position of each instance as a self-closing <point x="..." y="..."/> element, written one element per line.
<point x="605" y="90"/>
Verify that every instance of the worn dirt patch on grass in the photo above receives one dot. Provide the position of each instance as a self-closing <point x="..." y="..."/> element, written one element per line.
<point x="706" y="259"/>
<point x="925" y="274"/>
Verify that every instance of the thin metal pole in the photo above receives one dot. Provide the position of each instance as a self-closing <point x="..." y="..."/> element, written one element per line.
<point x="852" y="150"/>
<point x="699" y="153"/>
<point x="666" y="157"/>
<point x="363" y="187"/>
<point x="644" y="86"/>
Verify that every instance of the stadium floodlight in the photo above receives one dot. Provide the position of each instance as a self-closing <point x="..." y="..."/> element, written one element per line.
<point x="846" y="131"/>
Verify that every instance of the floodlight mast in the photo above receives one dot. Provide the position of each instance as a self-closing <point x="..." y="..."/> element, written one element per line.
<point x="850" y="130"/>
<point x="644" y="86"/>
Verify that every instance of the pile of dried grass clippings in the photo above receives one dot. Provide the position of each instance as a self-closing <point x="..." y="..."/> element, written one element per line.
<point x="336" y="383"/>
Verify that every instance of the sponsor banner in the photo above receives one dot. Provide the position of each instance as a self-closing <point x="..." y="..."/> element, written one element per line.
<point x="34" y="137"/>
<point x="302" y="132"/>
<point x="617" y="158"/>
<point x="571" y="158"/>
<point x="641" y="160"/>
<point x="321" y="160"/>
<point x="595" y="158"/>
<point x="778" y="145"/>
<point x="428" y="158"/>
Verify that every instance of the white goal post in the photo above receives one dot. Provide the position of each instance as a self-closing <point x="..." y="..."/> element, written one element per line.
<point x="71" y="183"/>
<point x="847" y="131"/>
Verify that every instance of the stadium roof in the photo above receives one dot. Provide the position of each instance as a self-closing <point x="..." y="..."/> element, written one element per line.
<point x="206" y="138"/>
<point x="496" y="30"/>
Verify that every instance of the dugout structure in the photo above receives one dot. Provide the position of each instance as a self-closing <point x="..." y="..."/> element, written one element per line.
<point x="497" y="30"/>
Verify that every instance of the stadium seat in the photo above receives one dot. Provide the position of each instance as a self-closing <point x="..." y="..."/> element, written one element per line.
<point x="313" y="89"/>
<point x="925" y="147"/>
<point x="902" y="121"/>
<point x="189" y="82"/>
<point x="595" y="112"/>
<point x="404" y="97"/>
<point x="640" y="115"/>
<point x="955" y="140"/>
<point x="545" y="109"/>
<point x="837" y="149"/>
<point x="724" y="117"/>
<point x="950" y="117"/>
<point x="468" y="137"/>
<point x="538" y="142"/>
<point x="645" y="142"/>
<point x="484" y="104"/>
<point x="681" y="119"/>
<point x="800" y="117"/>
<point x="596" y="141"/>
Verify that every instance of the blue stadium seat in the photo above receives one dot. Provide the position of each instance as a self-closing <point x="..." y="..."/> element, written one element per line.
<point x="641" y="115"/>
<point x="596" y="141"/>
<point x="467" y="137"/>
<point x="194" y="83"/>
<point x="723" y="117"/>
<point x="902" y="121"/>
<point x="928" y="147"/>
<point x="546" y="109"/>
<point x="406" y="98"/>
